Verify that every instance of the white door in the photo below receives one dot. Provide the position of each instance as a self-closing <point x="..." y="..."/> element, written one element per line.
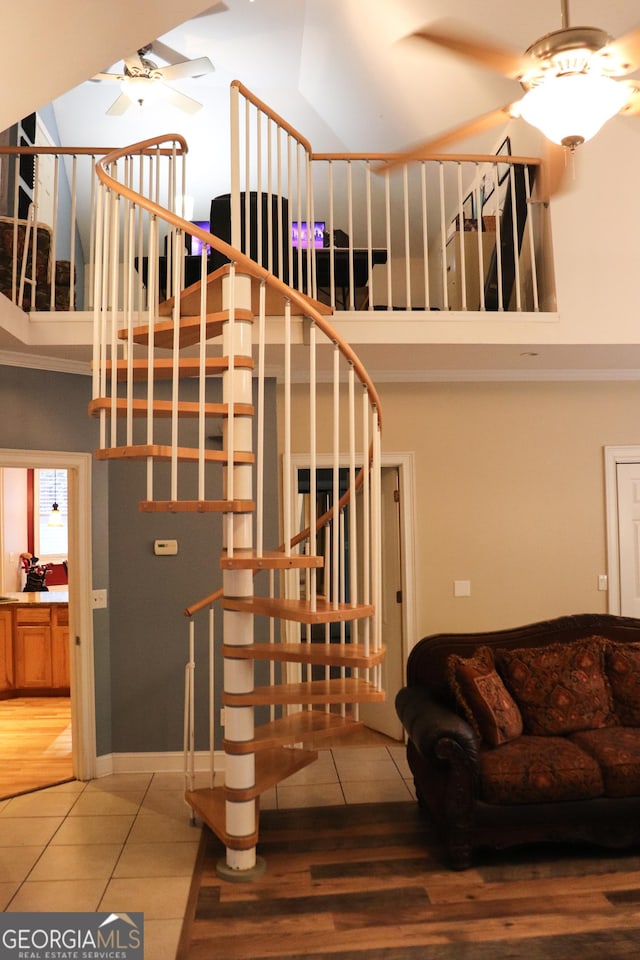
<point x="628" y="487"/>
<point x="382" y="716"/>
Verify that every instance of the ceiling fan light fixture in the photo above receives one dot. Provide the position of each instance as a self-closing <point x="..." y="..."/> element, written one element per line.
<point x="571" y="108"/>
<point x="141" y="89"/>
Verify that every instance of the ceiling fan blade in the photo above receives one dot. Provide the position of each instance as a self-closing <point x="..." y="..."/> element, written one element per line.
<point x="180" y="100"/>
<point x="626" y="49"/>
<point x="119" y="106"/>
<point x="165" y="52"/>
<point x="134" y="61"/>
<point x="632" y="107"/>
<point x="504" y="61"/>
<point x="218" y="7"/>
<point x="107" y="76"/>
<point x="187" y="68"/>
<point x="470" y="129"/>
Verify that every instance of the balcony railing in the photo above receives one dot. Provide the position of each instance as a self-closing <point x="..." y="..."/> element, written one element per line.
<point x="446" y="232"/>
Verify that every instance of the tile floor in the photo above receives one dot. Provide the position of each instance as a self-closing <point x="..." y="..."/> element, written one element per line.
<point x="125" y="842"/>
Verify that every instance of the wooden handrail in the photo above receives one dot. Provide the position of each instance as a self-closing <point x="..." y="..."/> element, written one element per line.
<point x="249" y="266"/>
<point x="90" y="151"/>
<point x="271" y="114"/>
<point x="453" y="157"/>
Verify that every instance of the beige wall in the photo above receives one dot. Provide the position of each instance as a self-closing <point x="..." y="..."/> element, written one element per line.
<point x="510" y="494"/>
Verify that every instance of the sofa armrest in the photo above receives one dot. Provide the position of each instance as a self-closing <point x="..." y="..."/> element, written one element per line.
<point x="434" y="728"/>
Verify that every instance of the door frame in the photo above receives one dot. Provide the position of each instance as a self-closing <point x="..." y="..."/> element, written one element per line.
<point x="612" y="457"/>
<point x="404" y="462"/>
<point x="81" y="659"/>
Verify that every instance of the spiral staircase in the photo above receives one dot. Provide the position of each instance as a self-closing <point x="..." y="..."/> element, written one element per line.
<point x="324" y="646"/>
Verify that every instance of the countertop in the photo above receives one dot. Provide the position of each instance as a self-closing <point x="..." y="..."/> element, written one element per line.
<point x="34" y="599"/>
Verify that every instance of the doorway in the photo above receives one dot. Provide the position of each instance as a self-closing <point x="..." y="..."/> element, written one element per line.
<point x="82" y="697"/>
<point x="399" y="615"/>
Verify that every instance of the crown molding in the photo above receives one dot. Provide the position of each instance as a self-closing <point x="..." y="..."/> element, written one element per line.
<point x="32" y="361"/>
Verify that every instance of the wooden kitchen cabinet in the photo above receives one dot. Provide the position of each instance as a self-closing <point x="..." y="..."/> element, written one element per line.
<point x="40" y="644"/>
<point x="6" y="650"/>
<point x="32" y="647"/>
<point x="60" y="647"/>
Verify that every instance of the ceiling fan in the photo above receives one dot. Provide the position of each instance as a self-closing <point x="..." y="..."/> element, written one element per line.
<point x="143" y="80"/>
<point x="574" y="80"/>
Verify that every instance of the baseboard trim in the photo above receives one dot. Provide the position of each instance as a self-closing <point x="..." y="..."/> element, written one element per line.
<point x="169" y="762"/>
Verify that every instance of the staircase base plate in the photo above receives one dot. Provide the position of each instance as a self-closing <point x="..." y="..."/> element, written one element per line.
<point x="225" y="872"/>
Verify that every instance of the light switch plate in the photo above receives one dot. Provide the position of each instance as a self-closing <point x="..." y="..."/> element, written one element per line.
<point x="462" y="588"/>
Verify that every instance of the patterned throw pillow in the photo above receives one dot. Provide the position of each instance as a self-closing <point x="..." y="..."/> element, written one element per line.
<point x="560" y="688"/>
<point x="623" y="671"/>
<point x="483" y="697"/>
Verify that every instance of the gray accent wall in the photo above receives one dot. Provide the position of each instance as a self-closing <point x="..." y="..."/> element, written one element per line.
<point x="141" y="640"/>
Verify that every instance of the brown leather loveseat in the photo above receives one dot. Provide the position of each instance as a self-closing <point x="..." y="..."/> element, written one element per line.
<point x="531" y="734"/>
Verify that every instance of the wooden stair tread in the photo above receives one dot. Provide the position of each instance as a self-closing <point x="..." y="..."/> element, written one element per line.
<point x="161" y="451"/>
<point x="163" y="367"/>
<point x="197" y="506"/>
<point x="164" y="408"/>
<point x="209" y="804"/>
<point x="163" y="331"/>
<point x="272" y="766"/>
<point x="245" y="559"/>
<point x="190" y="299"/>
<point x="306" y="726"/>
<point x="338" y="690"/>
<point x="298" y="610"/>
<point x="327" y="654"/>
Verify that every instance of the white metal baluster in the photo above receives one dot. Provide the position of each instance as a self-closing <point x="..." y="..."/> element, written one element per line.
<point x="336" y="475"/>
<point x="480" y="225"/>
<point x="407" y="243"/>
<point x="376" y="535"/>
<point x="259" y="162"/>
<point x="350" y="232"/>
<point x="202" y="376"/>
<point x="387" y="216"/>
<point x="353" y="530"/>
<point x="93" y="232"/>
<point x="443" y="238"/>
<point x="289" y="246"/>
<point x="425" y="233"/>
<point x="54" y="233"/>
<point x="98" y="374"/>
<point x="231" y="393"/>
<point x="114" y="277"/>
<point x="366" y="516"/>
<point x="152" y="299"/>
<point x="461" y="246"/>
<point x="498" y="238"/>
<point x="514" y="236"/>
<point x="128" y="308"/>
<point x="272" y="640"/>
<point x="260" y="425"/>
<point x="212" y="688"/>
<point x="189" y="713"/>
<point x="313" y="479"/>
<point x="370" y="304"/>
<point x="72" y="239"/>
<point x="332" y="265"/>
<point x="532" y="247"/>
<point x="286" y="466"/>
<point x="175" y="367"/>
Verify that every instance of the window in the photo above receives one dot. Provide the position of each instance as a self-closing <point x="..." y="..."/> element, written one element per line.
<point x="50" y="541"/>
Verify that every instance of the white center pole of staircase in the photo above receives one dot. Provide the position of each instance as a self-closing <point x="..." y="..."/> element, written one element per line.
<point x="241" y="862"/>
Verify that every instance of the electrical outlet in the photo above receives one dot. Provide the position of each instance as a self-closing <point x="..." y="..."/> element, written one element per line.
<point x="99" y="599"/>
<point x="222" y="716"/>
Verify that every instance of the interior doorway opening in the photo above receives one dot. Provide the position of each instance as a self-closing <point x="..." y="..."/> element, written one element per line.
<point x="79" y="649"/>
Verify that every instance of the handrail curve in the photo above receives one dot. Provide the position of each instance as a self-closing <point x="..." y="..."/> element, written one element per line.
<point x="245" y="264"/>
<point x="241" y="260"/>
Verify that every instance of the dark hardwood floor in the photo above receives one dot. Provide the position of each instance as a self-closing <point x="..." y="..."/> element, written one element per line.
<point x="365" y="883"/>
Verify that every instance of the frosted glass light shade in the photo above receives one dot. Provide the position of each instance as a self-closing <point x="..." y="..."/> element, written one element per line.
<point x="141" y="89"/>
<point x="572" y="108"/>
